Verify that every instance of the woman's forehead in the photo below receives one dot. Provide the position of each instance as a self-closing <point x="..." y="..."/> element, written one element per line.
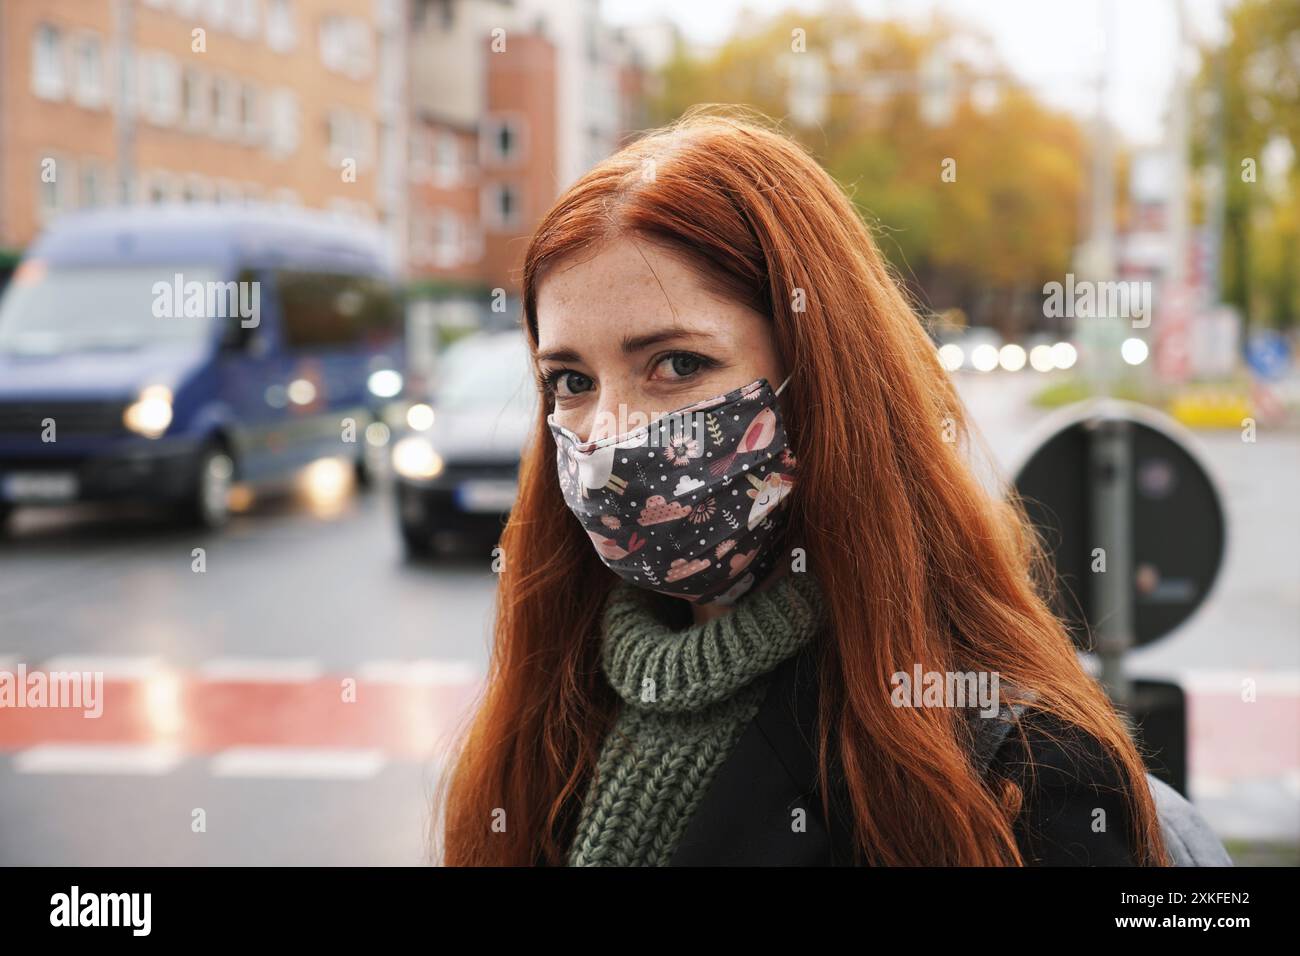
<point x="621" y="290"/>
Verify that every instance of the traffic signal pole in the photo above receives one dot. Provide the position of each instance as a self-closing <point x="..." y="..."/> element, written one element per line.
<point x="1110" y="451"/>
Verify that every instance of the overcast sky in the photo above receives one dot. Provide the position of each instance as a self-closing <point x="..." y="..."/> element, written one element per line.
<point x="1049" y="43"/>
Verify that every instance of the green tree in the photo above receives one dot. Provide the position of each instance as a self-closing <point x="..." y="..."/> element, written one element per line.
<point x="1249" y="89"/>
<point x="984" y="238"/>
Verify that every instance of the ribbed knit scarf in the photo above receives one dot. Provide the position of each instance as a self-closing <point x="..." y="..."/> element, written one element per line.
<point x="686" y="697"/>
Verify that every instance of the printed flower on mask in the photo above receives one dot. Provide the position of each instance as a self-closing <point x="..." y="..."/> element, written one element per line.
<point x="610" y="521"/>
<point x="703" y="511"/>
<point x="681" y="450"/>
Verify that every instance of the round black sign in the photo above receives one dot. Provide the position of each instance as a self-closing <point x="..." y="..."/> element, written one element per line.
<point x="1177" y="528"/>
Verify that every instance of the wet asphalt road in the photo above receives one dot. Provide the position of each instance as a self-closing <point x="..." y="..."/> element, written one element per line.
<point x="223" y="691"/>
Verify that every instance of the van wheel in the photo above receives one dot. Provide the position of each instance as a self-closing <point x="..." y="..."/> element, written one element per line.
<point x="209" y="502"/>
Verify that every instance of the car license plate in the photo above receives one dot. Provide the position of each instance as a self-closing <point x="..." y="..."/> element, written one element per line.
<point x="40" y="486"/>
<point x="487" y="495"/>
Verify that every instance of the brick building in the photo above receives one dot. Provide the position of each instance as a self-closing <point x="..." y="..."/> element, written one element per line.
<point x="194" y="100"/>
<point x="452" y="123"/>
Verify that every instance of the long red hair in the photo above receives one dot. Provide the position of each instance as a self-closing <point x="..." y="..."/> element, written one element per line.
<point x="918" y="562"/>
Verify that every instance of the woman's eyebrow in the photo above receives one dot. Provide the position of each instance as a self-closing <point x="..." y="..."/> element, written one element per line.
<point x="630" y="344"/>
<point x="636" y="343"/>
<point x="559" y="355"/>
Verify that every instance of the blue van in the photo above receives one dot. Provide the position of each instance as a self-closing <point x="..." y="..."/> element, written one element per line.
<point x="163" y="353"/>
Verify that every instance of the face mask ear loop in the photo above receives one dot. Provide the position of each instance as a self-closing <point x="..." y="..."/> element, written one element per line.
<point x="784" y="384"/>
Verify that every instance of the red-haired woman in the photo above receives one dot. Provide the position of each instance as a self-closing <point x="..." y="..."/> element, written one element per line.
<point x="711" y="623"/>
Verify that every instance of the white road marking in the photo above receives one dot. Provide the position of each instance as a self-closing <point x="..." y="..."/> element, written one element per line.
<point x="307" y="763"/>
<point x="427" y="672"/>
<point x="113" y="668"/>
<point x="255" y="670"/>
<point x="97" y="759"/>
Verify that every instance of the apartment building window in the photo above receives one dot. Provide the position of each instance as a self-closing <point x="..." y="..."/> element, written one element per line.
<point x="448" y="240"/>
<point x="421" y="143"/>
<point x="195" y="189"/>
<point x="57" y="191"/>
<point x="346" y="46"/>
<point x="472" y="247"/>
<point x="157" y="188"/>
<point x="225" y="105"/>
<point x="349" y="137"/>
<point x="160" y="88"/>
<point x="439" y="13"/>
<point x="501" y="206"/>
<point x="95" y="187"/>
<point x="218" y="12"/>
<point x="49" y="79"/>
<point x="88" y="72"/>
<point x="503" y="139"/>
<point x="281" y="30"/>
<point x="282" y="122"/>
<point x="228" y="192"/>
<point x="194" y="98"/>
<point x="446" y="168"/>
<point x="350" y="210"/>
<point x="246" y="18"/>
<point x="249" y="119"/>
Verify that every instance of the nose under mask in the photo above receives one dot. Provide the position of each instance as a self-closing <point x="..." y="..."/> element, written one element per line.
<point x="690" y="504"/>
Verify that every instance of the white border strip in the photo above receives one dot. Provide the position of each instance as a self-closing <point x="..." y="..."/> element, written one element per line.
<point x="255" y="670"/>
<point x="300" y="763"/>
<point x="113" y="668"/>
<point x="98" y="759"/>
<point x="427" y="672"/>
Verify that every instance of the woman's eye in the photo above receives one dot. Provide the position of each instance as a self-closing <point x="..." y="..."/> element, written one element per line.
<point x="681" y="364"/>
<point x="571" y="383"/>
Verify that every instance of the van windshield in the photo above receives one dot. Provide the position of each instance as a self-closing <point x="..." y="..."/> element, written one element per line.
<point x="52" y="310"/>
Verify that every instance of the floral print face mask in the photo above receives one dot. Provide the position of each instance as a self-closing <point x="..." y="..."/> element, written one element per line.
<point x="689" y="504"/>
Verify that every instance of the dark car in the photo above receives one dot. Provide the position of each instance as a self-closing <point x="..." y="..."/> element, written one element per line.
<point x="456" y="468"/>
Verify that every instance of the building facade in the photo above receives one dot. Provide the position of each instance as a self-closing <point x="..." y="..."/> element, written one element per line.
<point x="195" y="100"/>
<point x="452" y="123"/>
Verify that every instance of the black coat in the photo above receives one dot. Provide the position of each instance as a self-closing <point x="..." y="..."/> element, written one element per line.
<point x="745" y="815"/>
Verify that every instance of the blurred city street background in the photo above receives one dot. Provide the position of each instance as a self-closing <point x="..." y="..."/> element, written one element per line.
<point x="994" y="153"/>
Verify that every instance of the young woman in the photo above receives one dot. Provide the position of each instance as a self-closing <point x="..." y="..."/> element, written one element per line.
<point x="711" y="623"/>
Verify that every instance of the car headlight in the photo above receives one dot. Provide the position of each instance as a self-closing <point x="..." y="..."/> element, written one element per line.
<point x="386" y="383"/>
<point x="414" y="457"/>
<point x="151" y="413"/>
<point x="419" y="417"/>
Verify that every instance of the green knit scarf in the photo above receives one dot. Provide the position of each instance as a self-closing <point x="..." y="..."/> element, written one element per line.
<point x="686" y="697"/>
